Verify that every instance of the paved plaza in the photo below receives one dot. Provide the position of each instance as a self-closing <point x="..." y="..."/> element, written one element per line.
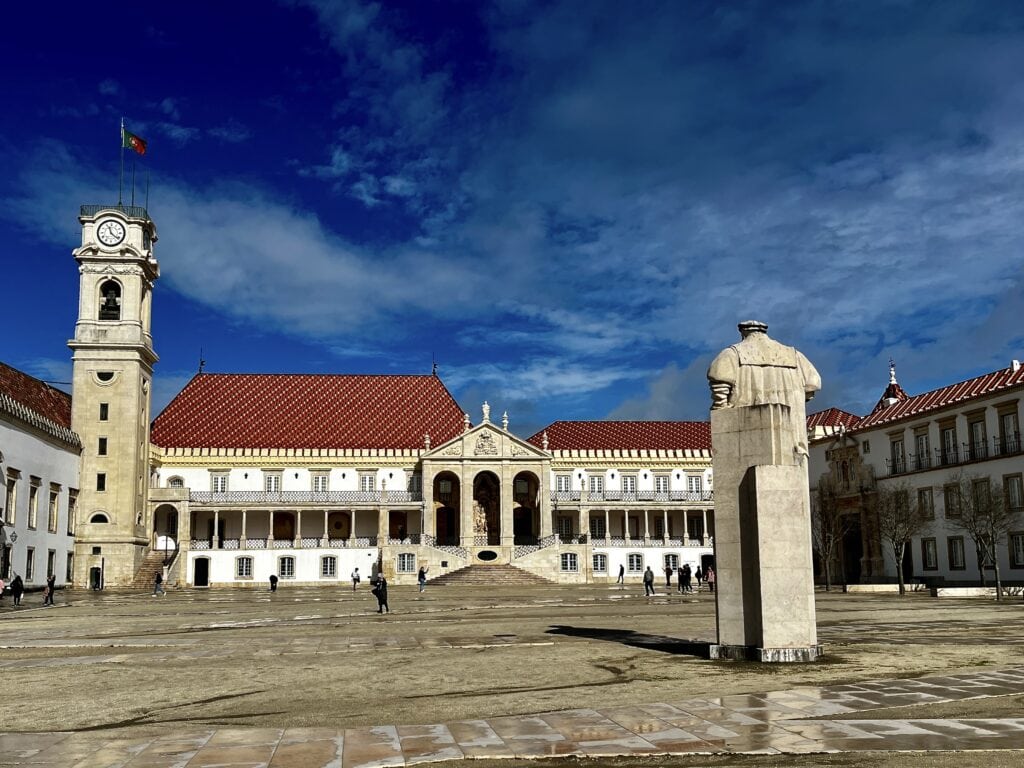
<point x="314" y="677"/>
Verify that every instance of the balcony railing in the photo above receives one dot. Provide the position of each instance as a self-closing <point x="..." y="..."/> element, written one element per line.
<point x="637" y="497"/>
<point x="131" y="211"/>
<point x="949" y="456"/>
<point x="304" y="497"/>
<point x="310" y="542"/>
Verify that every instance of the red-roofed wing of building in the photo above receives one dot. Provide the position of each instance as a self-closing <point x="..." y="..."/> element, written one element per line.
<point x="832" y="417"/>
<point x="954" y="394"/>
<point x="37" y="403"/>
<point x="625" y="435"/>
<point x="308" y="411"/>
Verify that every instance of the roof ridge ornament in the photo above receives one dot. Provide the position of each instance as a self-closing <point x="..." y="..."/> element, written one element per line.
<point x="892" y="371"/>
<point x="487" y="412"/>
<point x="504" y="421"/>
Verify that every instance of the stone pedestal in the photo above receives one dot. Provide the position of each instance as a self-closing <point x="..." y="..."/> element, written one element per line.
<point x="765" y="580"/>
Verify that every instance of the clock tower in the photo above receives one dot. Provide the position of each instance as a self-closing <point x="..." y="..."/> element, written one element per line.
<point x="113" y="361"/>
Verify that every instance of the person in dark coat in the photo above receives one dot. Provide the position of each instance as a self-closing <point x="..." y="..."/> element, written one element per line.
<point x="273" y="583"/>
<point x="158" y="584"/>
<point x="622" y="575"/>
<point x="699" y="576"/>
<point x="684" y="579"/>
<point x="648" y="582"/>
<point x="421" y="578"/>
<point x="679" y="577"/>
<point x="51" y="585"/>
<point x="17" y="589"/>
<point x="380" y="591"/>
<point x="668" y="576"/>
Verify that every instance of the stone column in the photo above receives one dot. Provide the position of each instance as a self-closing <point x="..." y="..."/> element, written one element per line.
<point x="382" y="526"/>
<point x="704" y="529"/>
<point x="241" y="543"/>
<point x="546" y="512"/>
<point x="325" y="540"/>
<point x="665" y="528"/>
<point x="508" y="501"/>
<point x="625" y="525"/>
<point x="607" y="526"/>
<point x="429" y="517"/>
<point x="297" y="543"/>
<point x="647" y="528"/>
<point x="584" y="520"/>
<point x="352" y="526"/>
<point x="270" y="529"/>
<point x="216" y="530"/>
<point x="466" y="511"/>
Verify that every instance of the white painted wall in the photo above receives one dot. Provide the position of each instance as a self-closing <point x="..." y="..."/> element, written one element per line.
<point x="265" y="562"/>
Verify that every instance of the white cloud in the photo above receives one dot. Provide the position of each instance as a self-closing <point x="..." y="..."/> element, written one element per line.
<point x="109" y="87"/>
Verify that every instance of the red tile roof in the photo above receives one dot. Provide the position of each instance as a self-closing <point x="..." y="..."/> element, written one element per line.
<point x="624" y="435"/>
<point x="37" y="403"/>
<point x="832" y="417"/>
<point x="308" y="411"/>
<point x="912" y="407"/>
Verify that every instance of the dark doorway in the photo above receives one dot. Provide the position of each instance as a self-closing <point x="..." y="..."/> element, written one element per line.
<point x="487" y="508"/>
<point x="908" y="564"/>
<point x="201" y="572"/>
<point x="447" y="526"/>
<point x="522" y="526"/>
<point x="852" y="550"/>
<point x="397" y="525"/>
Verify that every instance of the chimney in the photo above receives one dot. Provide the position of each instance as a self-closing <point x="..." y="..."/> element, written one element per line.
<point x="1015" y="365"/>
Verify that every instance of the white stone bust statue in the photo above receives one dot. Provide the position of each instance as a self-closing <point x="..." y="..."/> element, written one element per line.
<point x="759" y="371"/>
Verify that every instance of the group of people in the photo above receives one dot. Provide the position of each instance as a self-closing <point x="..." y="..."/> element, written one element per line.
<point x="380" y="586"/>
<point x="17" y="587"/>
<point x="685" y="575"/>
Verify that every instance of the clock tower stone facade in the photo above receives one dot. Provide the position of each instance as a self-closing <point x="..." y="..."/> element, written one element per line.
<point x="113" y="362"/>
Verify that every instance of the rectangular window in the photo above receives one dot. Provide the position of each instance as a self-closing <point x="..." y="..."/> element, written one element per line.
<point x="101" y="481"/>
<point x="320" y="481"/>
<point x="33" y="502"/>
<point x="367" y="483"/>
<point x="897" y="461"/>
<point x="70" y="573"/>
<point x="243" y="567"/>
<point x="219" y="482"/>
<point x="926" y="502"/>
<point x="444" y="488"/>
<point x="922" y="460"/>
<point x="982" y="492"/>
<point x="955" y="545"/>
<point x="415" y="483"/>
<point x="563" y="483"/>
<point x="1009" y="431"/>
<point x="30" y="563"/>
<point x="659" y="527"/>
<point x="929" y="555"/>
<point x="629" y="483"/>
<point x="565" y="527"/>
<point x="101" y="449"/>
<point x="597" y="528"/>
<point x="951" y="501"/>
<point x="672" y="561"/>
<point x="635" y="563"/>
<point x="661" y="483"/>
<point x="272" y="482"/>
<point x="51" y="563"/>
<point x="949" y="451"/>
<point x="328" y="567"/>
<point x="286" y="567"/>
<point x="1016" y="544"/>
<point x="866" y="446"/>
<point x="104" y="411"/>
<point x="406" y="562"/>
<point x="520" y="487"/>
<point x="600" y="563"/>
<point x="52" y="516"/>
<point x="1014" y="490"/>
<point x="979" y="443"/>
<point x="597" y="483"/>
<point x="570" y="562"/>
<point x="695" y="484"/>
<point x="10" y="508"/>
<point x="72" y="510"/>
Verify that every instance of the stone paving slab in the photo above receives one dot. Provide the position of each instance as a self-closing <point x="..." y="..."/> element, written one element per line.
<point x="779" y="722"/>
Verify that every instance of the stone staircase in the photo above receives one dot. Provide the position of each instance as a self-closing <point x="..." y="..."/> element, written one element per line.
<point x="489" y="575"/>
<point x="153" y="564"/>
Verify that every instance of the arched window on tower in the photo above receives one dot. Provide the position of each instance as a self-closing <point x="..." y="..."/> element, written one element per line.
<point x="110" y="300"/>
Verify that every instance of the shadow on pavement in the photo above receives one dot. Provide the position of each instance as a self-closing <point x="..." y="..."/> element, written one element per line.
<point x="663" y="643"/>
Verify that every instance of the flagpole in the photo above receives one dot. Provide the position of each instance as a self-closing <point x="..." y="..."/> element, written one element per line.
<point x="147" y="189"/>
<point x="120" y="179"/>
<point x="133" y="180"/>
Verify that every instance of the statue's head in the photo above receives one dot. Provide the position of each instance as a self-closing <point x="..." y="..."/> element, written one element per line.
<point x="748" y="327"/>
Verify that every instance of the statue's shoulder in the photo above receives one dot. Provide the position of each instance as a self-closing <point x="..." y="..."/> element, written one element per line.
<point x="760" y="350"/>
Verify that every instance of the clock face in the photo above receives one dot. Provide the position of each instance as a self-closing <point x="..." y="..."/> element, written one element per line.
<point x="110" y="232"/>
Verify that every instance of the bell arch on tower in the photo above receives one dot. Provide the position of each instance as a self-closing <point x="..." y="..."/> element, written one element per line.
<point x="109" y="301"/>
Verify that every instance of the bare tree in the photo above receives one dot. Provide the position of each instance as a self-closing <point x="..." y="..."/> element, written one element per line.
<point x="828" y="526"/>
<point x="986" y="517"/>
<point x="900" y="517"/>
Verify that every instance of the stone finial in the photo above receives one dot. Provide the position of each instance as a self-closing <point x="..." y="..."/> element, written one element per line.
<point x="892" y="371"/>
<point x="504" y="421"/>
<point x="544" y="440"/>
<point x="426" y="441"/>
<point x="465" y="422"/>
<point x="487" y="411"/>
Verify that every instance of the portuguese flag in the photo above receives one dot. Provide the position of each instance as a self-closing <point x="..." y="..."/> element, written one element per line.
<point x="130" y="141"/>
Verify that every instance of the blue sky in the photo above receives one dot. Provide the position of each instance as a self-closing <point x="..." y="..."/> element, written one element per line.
<point x="568" y="204"/>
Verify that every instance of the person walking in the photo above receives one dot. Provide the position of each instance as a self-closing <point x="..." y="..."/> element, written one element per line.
<point x="273" y="582"/>
<point x="622" y="574"/>
<point x="51" y="585"/>
<point x="669" y="570"/>
<point x="355" y="579"/>
<point x="17" y="589"/>
<point x="158" y="584"/>
<point x="380" y="591"/>
<point x="698" y="576"/>
<point x="679" y="578"/>
<point x="421" y="578"/>
<point x="648" y="582"/>
<point x="709" y="577"/>
<point x="684" y="579"/>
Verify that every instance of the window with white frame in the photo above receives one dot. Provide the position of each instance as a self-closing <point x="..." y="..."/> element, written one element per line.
<point x="1014" y="492"/>
<point x="955" y="545"/>
<point x="243" y="567"/>
<point x="629" y="483"/>
<point x="661" y="483"/>
<point x="1016" y="544"/>
<point x="328" y="567"/>
<point x="597" y="483"/>
<point x="415" y="483"/>
<point x="72" y="510"/>
<point x="672" y="561"/>
<point x="597" y="528"/>
<point x="695" y="484"/>
<point x="570" y="562"/>
<point x="33" y="501"/>
<point x="563" y="483"/>
<point x="564" y="526"/>
<point x="319" y="482"/>
<point x="51" y="522"/>
<point x="406" y="562"/>
<point x="635" y="562"/>
<point x="272" y="482"/>
<point x="600" y="563"/>
<point x="176" y="482"/>
<point x="286" y="567"/>
<point x="219" y="482"/>
<point x="929" y="555"/>
<point x="12" y="497"/>
<point x="367" y="482"/>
